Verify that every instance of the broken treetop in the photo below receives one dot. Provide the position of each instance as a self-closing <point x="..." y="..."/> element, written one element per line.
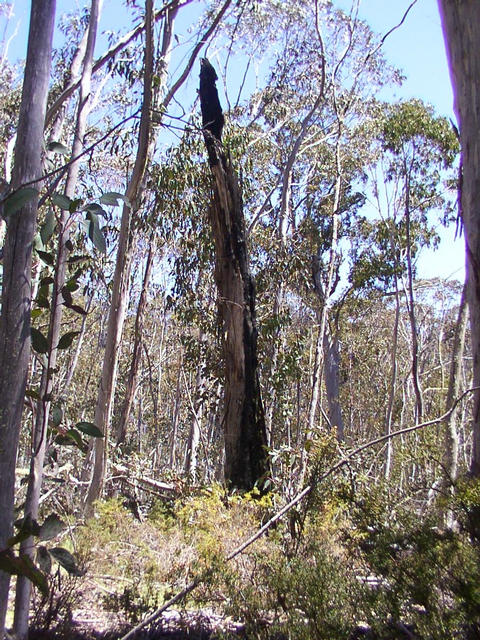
<point x="212" y="116"/>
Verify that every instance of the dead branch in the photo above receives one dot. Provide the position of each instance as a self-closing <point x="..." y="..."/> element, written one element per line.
<point x="298" y="498"/>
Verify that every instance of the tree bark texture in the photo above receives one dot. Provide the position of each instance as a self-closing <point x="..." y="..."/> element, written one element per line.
<point x="246" y="460"/>
<point x="454" y="382"/>
<point x="23" y="587"/>
<point x="17" y="262"/>
<point x="121" y="279"/>
<point x="461" y="26"/>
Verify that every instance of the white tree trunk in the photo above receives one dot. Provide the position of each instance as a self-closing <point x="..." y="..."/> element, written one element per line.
<point x="22" y="595"/>
<point x="17" y="262"/>
<point x="461" y="25"/>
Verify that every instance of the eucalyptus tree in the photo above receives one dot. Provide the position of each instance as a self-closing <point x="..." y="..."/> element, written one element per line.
<point x="246" y="458"/>
<point x="413" y="152"/>
<point x="461" y="22"/>
<point x="60" y="296"/>
<point x="156" y="100"/>
<point x="122" y="268"/>
<point x="16" y="291"/>
<point x="328" y="64"/>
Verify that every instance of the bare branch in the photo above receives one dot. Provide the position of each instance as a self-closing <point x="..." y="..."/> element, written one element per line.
<point x="195" y="52"/>
<point x="109" y="55"/>
<point x="296" y="500"/>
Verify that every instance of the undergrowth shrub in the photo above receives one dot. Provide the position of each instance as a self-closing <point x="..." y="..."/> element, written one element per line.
<point x="356" y="561"/>
<point x="364" y="564"/>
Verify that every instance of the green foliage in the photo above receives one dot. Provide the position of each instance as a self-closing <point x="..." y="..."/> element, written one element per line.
<point x="17" y="200"/>
<point x="413" y="121"/>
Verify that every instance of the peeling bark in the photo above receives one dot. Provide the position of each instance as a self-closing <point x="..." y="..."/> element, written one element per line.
<point x="246" y="460"/>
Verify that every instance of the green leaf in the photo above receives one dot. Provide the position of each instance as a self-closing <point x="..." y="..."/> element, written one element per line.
<point x="61" y="201"/>
<point x="23" y="566"/>
<point x="16" y="200"/>
<point x="58" y="147"/>
<point x="93" y="207"/>
<point x="71" y="437"/>
<point x="75" y="205"/>
<point x="56" y="415"/>
<point x="77" y="258"/>
<point x="78" y="309"/>
<point x="67" y="297"/>
<point x="39" y="341"/>
<point x="36" y="313"/>
<point x="95" y="234"/>
<point x="51" y="527"/>
<point x="112" y="198"/>
<point x="66" y="560"/>
<point x="89" y="429"/>
<point x="27" y="527"/>
<point x="46" y="257"/>
<point x="66" y="340"/>
<point x="44" y="559"/>
<point x="48" y="227"/>
<point x="72" y="285"/>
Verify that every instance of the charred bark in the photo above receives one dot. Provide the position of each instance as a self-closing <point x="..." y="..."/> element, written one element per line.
<point x="246" y="460"/>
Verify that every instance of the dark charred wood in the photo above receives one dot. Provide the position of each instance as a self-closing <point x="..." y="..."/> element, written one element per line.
<point x="212" y="115"/>
<point x="246" y="458"/>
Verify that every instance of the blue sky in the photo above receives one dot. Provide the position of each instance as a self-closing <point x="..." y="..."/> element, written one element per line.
<point x="417" y="48"/>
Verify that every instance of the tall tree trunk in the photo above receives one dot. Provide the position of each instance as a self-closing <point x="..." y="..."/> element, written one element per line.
<point x="176" y="417"/>
<point x="246" y="459"/>
<point x="22" y="594"/>
<point x="137" y="348"/>
<point x="411" y="309"/>
<point x="461" y="26"/>
<point x="454" y="383"/>
<point x="197" y="409"/>
<point x="17" y="264"/>
<point x="393" y="383"/>
<point x="121" y="279"/>
<point x="331" y="369"/>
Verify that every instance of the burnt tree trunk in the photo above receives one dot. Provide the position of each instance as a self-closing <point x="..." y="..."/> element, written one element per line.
<point x="246" y="460"/>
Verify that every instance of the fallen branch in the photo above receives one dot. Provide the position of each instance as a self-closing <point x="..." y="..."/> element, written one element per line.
<point x="149" y="482"/>
<point x="298" y="498"/>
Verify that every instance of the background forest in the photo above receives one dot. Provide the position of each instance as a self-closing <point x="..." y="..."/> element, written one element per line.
<point x="213" y="328"/>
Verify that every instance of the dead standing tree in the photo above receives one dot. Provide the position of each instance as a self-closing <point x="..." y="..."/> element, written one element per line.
<point x="246" y="459"/>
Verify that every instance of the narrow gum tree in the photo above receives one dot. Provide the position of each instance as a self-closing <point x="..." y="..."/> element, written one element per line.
<point x="17" y="262"/>
<point x="461" y="26"/>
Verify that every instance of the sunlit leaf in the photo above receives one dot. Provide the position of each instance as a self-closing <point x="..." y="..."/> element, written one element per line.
<point x="58" y="147"/>
<point x="112" y="198"/>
